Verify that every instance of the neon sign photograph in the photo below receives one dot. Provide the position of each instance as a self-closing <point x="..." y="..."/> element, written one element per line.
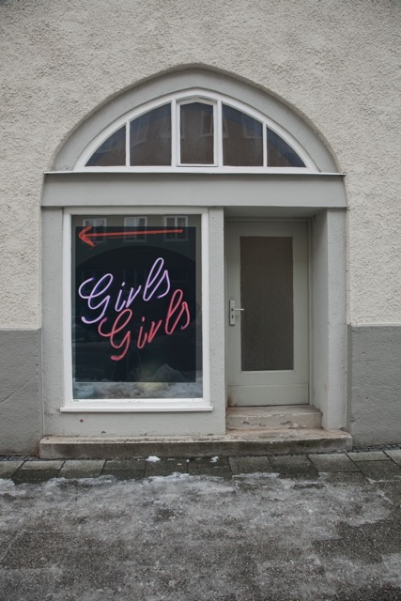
<point x="136" y="323"/>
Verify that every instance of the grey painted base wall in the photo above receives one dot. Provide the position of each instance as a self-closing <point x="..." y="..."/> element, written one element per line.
<point x="20" y="405"/>
<point x="375" y="384"/>
<point x="374" y="388"/>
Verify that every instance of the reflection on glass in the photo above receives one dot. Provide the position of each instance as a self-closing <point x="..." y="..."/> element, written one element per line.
<point x="134" y="221"/>
<point x="196" y="133"/>
<point x="150" y="137"/>
<point x="175" y="222"/>
<point x="111" y="153"/>
<point x="267" y="322"/>
<point x="279" y="153"/>
<point x="242" y="139"/>
<point x="136" y="310"/>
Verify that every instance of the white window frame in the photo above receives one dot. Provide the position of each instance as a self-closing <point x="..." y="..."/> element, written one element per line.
<point x="149" y="405"/>
<point x="177" y="100"/>
<point x="177" y="106"/>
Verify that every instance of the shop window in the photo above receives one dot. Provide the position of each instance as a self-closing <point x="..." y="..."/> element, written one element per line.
<point x="192" y="132"/>
<point x="136" y="307"/>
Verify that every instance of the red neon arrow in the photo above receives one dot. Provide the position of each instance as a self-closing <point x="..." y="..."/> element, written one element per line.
<point x="87" y="238"/>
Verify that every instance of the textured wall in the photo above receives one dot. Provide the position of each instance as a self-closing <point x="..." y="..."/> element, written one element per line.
<point x="20" y="407"/>
<point x="375" y="384"/>
<point x="336" y="62"/>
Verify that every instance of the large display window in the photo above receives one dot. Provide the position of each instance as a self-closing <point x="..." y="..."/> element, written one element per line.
<point x="136" y="307"/>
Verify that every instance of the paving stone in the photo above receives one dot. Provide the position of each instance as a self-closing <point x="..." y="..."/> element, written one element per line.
<point x="81" y="468"/>
<point x="368" y="456"/>
<point x="250" y="465"/>
<point x="289" y="460"/>
<point x="215" y="472"/>
<point x="354" y="547"/>
<point x="342" y="478"/>
<point x="333" y="462"/>
<point x="8" y="468"/>
<point x="28" y="585"/>
<point x="200" y="462"/>
<point x="298" y="472"/>
<point x="384" y="534"/>
<point x="380" y="470"/>
<point x="37" y="471"/>
<point x="371" y="592"/>
<point x="165" y="467"/>
<point x="42" y="465"/>
<point x="128" y="469"/>
<point x="392" y="490"/>
<point x="395" y="455"/>
<point x="219" y="467"/>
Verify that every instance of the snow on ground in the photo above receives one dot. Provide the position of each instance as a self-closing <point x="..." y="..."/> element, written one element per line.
<point x="187" y="538"/>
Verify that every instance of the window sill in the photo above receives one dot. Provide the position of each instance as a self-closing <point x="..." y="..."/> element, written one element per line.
<point x="137" y="406"/>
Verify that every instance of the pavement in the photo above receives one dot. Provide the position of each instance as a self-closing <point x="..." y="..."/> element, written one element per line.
<point x="318" y="527"/>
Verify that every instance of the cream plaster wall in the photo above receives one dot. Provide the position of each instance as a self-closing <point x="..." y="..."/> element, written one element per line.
<point x="335" y="62"/>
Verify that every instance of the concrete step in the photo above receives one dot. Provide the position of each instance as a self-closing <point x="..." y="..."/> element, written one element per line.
<point x="234" y="443"/>
<point x="274" y="418"/>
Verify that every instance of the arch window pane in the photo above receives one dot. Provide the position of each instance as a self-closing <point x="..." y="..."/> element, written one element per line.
<point x="150" y="137"/>
<point x="111" y="153"/>
<point x="196" y="133"/>
<point x="279" y="153"/>
<point x="242" y="139"/>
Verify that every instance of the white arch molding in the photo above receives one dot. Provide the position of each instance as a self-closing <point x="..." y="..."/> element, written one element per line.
<point x="315" y="193"/>
<point x="182" y="83"/>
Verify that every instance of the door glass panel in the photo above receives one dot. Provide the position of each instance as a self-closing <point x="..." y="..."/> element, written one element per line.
<point x="267" y="322"/>
<point x="196" y="133"/>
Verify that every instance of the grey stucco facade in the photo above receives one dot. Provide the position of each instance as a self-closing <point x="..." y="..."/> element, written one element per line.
<point x="20" y="400"/>
<point x="375" y="384"/>
<point x="333" y="71"/>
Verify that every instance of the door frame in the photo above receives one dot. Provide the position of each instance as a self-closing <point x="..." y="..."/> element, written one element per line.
<point x="270" y="221"/>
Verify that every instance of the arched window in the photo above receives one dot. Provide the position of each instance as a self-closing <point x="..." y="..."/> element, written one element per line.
<point x="154" y="208"/>
<point x="195" y="130"/>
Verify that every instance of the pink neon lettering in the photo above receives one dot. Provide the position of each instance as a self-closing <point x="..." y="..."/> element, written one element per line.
<point x="177" y="303"/>
<point x="115" y="329"/>
<point x="146" y="338"/>
<point x="154" y="327"/>
<point x="142" y="338"/>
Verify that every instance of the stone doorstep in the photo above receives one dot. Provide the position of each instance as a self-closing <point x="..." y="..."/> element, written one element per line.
<point x="282" y="417"/>
<point x="235" y="443"/>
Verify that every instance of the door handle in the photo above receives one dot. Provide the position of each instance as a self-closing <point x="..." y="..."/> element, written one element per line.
<point x="232" y="310"/>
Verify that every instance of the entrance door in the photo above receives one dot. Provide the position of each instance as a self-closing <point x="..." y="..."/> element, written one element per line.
<point x="267" y="313"/>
